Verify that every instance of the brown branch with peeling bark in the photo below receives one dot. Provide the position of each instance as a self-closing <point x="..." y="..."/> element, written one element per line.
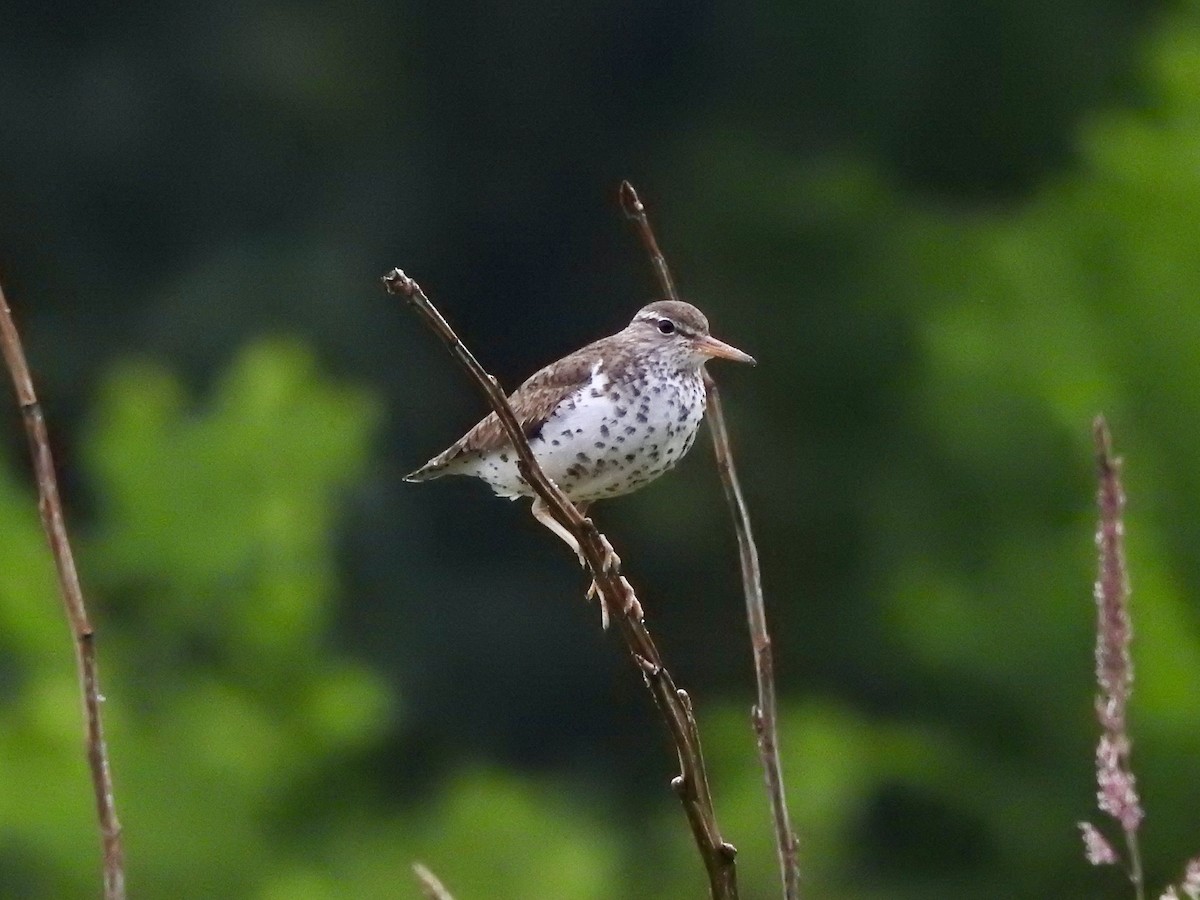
<point x="50" y="507"/>
<point x="764" y="715"/>
<point x="691" y="785"/>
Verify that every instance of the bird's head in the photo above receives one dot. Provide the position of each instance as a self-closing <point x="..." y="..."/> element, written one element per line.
<point x="680" y="330"/>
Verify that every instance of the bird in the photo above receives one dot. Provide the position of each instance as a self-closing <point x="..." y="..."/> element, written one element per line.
<point x="603" y="421"/>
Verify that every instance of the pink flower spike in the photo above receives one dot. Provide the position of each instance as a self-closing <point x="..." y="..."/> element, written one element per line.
<point x="1117" y="794"/>
<point x="1096" y="848"/>
<point x="1191" y="879"/>
<point x="1114" y="666"/>
<point x="1117" y="788"/>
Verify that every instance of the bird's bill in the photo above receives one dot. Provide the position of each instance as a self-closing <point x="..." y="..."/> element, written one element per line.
<point x="710" y="346"/>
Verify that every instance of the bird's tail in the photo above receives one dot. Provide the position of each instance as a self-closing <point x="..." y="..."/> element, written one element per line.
<point x="436" y="467"/>
<point x="432" y="469"/>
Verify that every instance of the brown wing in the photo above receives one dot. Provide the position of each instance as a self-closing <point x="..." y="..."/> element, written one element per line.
<point x="532" y="402"/>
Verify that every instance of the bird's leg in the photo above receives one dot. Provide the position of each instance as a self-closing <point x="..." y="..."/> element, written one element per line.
<point x="611" y="562"/>
<point x="542" y="513"/>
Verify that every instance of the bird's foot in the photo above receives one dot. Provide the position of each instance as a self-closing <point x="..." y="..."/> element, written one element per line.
<point x="611" y="562"/>
<point x="594" y="591"/>
<point x="632" y="608"/>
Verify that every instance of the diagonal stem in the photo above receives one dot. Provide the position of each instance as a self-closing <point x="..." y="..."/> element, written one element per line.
<point x="431" y="886"/>
<point x="616" y="593"/>
<point x="50" y="507"/>
<point x="631" y="203"/>
<point x="764" y="715"/>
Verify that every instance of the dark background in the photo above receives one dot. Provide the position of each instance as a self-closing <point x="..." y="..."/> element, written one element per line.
<point x="950" y="233"/>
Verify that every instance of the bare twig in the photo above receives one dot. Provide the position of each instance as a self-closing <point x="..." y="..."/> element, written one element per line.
<point x="50" y="507"/>
<point x="631" y="203"/>
<point x="431" y="887"/>
<point x="764" y="715"/>
<point x="616" y="593"/>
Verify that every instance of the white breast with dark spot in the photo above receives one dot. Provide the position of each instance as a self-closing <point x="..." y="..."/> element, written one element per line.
<point x="609" y="438"/>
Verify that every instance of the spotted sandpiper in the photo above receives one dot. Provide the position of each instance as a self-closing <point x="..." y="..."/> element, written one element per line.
<point x="604" y="421"/>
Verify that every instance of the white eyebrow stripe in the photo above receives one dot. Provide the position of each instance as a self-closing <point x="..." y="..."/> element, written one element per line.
<point x="653" y="318"/>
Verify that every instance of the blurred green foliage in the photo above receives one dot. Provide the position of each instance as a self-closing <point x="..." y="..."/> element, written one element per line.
<point x="1012" y="327"/>
<point x="212" y="564"/>
<point x="313" y="684"/>
<point x="232" y="711"/>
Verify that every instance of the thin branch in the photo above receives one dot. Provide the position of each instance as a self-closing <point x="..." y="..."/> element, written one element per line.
<point x="631" y="203"/>
<point x="431" y="887"/>
<point x="764" y="714"/>
<point x="616" y="593"/>
<point x="50" y="507"/>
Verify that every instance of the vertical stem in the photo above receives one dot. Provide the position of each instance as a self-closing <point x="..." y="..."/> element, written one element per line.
<point x="1136" y="875"/>
<point x="50" y="507"/>
<point x="764" y="715"/>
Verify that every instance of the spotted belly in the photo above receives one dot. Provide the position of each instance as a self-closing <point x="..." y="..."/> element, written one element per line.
<point x="605" y="440"/>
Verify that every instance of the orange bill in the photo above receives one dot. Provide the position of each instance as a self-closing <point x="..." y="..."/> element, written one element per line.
<point x="712" y="347"/>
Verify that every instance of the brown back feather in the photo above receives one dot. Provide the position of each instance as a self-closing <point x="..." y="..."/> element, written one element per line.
<point x="532" y="402"/>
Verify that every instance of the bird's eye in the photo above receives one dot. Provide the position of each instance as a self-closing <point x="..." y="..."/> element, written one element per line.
<point x="666" y="326"/>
